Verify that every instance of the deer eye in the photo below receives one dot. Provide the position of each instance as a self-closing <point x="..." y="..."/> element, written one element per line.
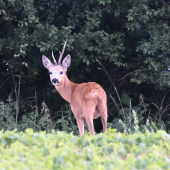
<point x="50" y="72"/>
<point x="61" y="72"/>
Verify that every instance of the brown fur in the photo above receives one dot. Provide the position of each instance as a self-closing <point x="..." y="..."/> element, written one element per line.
<point x="88" y="101"/>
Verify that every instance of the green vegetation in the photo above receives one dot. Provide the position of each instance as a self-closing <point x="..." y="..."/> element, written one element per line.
<point x="59" y="150"/>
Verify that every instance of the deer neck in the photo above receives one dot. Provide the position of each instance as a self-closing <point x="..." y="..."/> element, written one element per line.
<point x="66" y="89"/>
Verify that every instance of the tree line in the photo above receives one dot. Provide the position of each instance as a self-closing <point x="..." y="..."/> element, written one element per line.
<point x="118" y="44"/>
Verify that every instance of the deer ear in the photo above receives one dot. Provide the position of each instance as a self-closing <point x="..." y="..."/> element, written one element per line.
<point x="66" y="62"/>
<point x="46" y="62"/>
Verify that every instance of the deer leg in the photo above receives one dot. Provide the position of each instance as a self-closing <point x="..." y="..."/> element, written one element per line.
<point x="102" y="108"/>
<point x="89" y="121"/>
<point x="80" y="122"/>
<point x="104" y="122"/>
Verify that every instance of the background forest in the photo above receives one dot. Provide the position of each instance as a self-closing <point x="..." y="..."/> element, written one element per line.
<point x="120" y="44"/>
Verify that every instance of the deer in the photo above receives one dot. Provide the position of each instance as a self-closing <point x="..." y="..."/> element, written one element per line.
<point x="88" y="100"/>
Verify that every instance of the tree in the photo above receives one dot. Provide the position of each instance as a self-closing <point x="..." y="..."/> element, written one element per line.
<point x="130" y="38"/>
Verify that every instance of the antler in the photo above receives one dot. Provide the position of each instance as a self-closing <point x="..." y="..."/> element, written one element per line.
<point x="54" y="58"/>
<point x="61" y="54"/>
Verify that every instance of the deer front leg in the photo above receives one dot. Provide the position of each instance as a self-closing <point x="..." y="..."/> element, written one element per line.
<point x="80" y="122"/>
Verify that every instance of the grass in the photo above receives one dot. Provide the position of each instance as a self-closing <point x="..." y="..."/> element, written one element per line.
<point x="60" y="150"/>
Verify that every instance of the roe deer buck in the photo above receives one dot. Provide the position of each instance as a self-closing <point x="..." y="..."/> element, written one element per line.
<point x="88" y="100"/>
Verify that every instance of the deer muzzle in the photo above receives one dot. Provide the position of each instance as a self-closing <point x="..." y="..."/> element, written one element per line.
<point x="55" y="81"/>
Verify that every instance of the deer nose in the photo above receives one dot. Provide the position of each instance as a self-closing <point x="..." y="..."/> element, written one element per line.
<point x="55" y="80"/>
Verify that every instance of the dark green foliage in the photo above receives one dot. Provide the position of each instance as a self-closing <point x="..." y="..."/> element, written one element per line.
<point x="130" y="38"/>
<point x="37" y="119"/>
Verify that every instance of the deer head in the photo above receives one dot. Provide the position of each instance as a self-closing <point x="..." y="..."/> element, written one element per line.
<point x="57" y="71"/>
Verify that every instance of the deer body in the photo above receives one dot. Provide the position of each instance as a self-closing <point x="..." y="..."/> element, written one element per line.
<point x="88" y="100"/>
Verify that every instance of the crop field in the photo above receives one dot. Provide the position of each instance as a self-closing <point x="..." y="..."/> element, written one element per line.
<point x="59" y="150"/>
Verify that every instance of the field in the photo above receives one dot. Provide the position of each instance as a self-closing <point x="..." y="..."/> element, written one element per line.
<point x="59" y="150"/>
